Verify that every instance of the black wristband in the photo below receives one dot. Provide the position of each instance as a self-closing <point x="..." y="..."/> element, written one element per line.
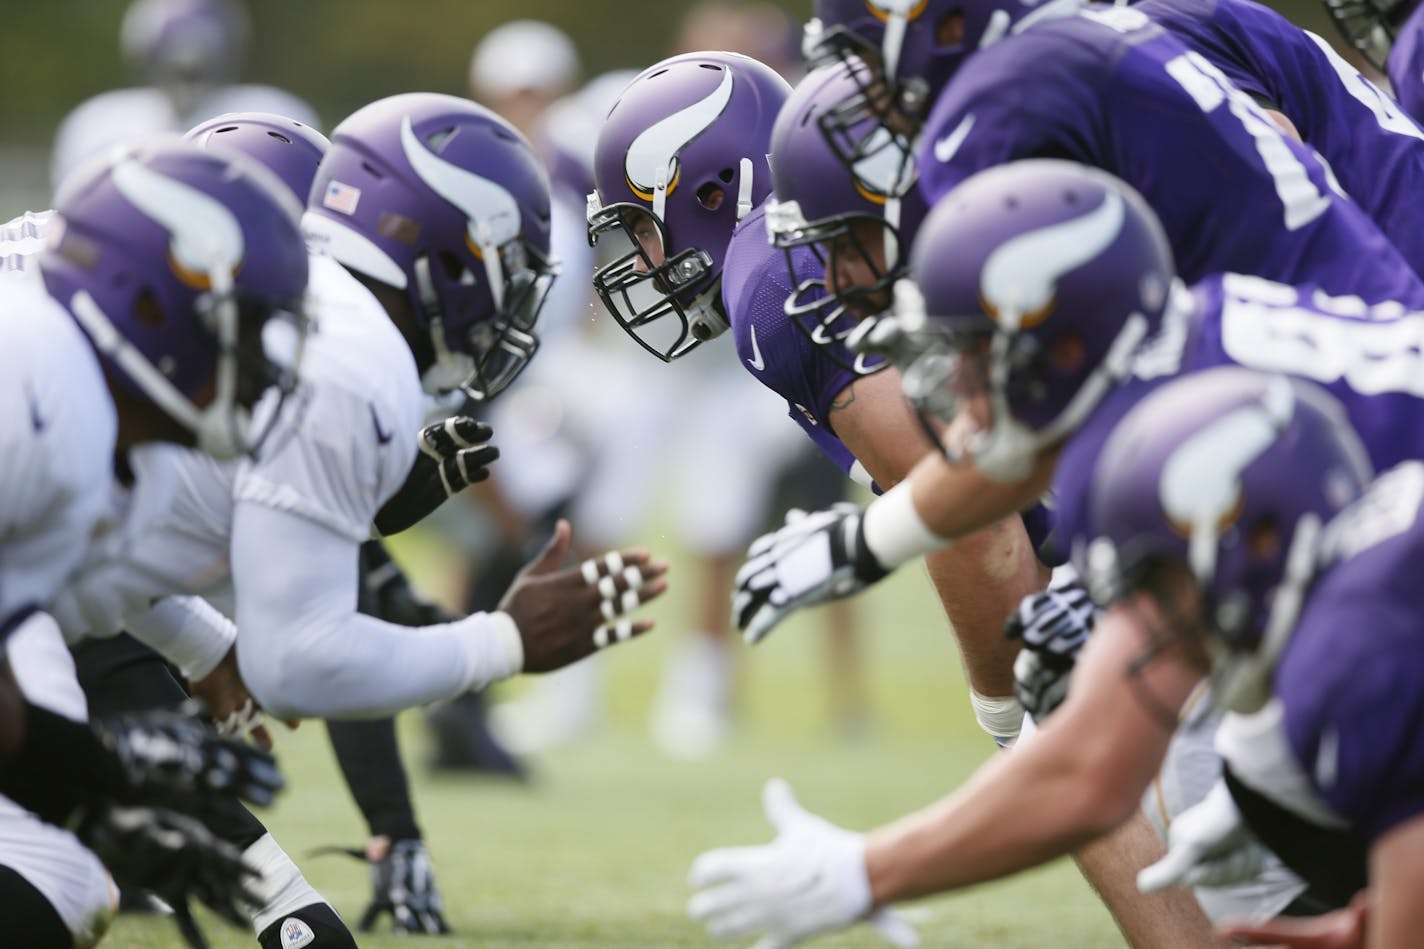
<point x="61" y="766"/>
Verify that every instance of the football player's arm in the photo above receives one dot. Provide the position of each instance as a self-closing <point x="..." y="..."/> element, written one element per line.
<point x="1080" y="777"/>
<point x="305" y="651"/>
<point x="188" y="631"/>
<point x="979" y="580"/>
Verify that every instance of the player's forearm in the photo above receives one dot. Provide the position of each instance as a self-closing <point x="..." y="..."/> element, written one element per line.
<point x="1396" y="914"/>
<point x="187" y="631"/>
<point x="1024" y="808"/>
<point x="355" y="666"/>
<point x="956" y="500"/>
<point x="980" y="581"/>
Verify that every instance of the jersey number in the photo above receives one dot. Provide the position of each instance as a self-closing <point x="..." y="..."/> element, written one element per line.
<point x="1208" y="86"/>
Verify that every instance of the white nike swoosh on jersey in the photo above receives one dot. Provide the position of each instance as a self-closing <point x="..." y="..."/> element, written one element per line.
<point x="756" y="362"/>
<point x="945" y="148"/>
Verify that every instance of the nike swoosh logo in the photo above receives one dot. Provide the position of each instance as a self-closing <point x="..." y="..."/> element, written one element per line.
<point x="945" y="148"/>
<point x="382" y="436"/>
<point x="756" y="362"/>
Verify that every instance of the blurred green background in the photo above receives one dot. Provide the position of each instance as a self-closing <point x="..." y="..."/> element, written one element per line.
<point x="337" y="54"/>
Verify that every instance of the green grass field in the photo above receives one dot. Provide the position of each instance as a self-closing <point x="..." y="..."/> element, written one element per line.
<point x="595" y="852"/>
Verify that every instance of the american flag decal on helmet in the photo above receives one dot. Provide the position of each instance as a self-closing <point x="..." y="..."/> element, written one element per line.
<point x="341" y="198"/>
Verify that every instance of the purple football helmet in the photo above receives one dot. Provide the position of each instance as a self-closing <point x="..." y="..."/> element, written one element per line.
<point x="1034" y="284"/>
<point x="441" y="198"/>
<point x="680" y="160"/>
<point x="290" y="149"/>
<point x="1232" y="474"/>
<point x="818" y="205"/>
<point x="172" y="259"/>
<point x="185" y="41"/>
<point x="911" y="48"/>
<point x="1370" y="26"/>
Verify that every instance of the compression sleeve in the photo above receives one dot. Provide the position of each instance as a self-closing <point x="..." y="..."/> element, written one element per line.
<point x="187" y="631"/>
<point x="304" y="650"/>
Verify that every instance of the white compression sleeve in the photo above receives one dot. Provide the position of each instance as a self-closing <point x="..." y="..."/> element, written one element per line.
<point x="894" y="530"/>
<point x="303" y="649"/>
<point x="188" y="631"/>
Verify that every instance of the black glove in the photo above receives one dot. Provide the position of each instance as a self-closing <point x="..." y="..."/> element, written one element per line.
<point x="174" y="857"/>
<point x="165" y="752"/>
<point x="403" y="882"/>
<point x="1053" y="625"/>
<point x="454" y="454"/>
<point x="386" y="592"/>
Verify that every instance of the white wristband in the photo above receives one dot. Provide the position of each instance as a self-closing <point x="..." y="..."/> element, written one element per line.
<point x="187" y="631"/>
<point x="894" y="530"/>
<point x="495" y="648"/>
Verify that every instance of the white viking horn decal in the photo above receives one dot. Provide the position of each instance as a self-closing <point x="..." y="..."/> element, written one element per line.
<point x="1020" y="278"/>
<point x="1200" y="486"/>
<point x="492" y="212"/>
<point x="656" y="147"/>
<point x="203" y="234"/>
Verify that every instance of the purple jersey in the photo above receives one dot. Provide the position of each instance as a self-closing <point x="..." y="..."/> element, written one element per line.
<point x="1109" y="88"/>
<point x="1370" y="358"/>
<point x="755" y="285"/>
<point x="1406" y="64"/>
<point x="1374" y="148"/>
<point x="1351" y="679"/>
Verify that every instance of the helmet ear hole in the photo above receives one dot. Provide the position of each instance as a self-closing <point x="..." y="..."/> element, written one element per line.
<point x="711" y="196"/>
<point x="726" y="175"/>
<point x="148" y="310"/>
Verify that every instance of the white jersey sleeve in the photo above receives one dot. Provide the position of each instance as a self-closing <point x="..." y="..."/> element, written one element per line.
<point x="349" y="442"/>
<point x="57" y="436"/>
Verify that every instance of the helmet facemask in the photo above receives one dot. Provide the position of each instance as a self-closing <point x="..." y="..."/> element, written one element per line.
<point x="829" y="315"/>
<point x="670" y="305"/>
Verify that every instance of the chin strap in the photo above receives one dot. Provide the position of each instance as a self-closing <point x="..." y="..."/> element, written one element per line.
<point x="744" y="189"/>
<point x="450" y="369"/>
<point x="222" y="427"/>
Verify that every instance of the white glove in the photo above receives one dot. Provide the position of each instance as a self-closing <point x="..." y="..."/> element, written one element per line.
<point x="1207" y="845"/>
<point x="811" y="559"/>
<point x="808" y="880"/>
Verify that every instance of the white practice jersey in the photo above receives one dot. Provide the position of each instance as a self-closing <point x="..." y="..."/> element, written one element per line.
<point x="342" y="446"/>
<point x="57" y="435"/>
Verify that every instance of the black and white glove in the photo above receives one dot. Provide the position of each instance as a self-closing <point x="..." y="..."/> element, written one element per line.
<point x="1053" y="624"/>
<point x="403" y="881"/>
<point x="454" y="454"/>
<point x="1209" y="845"/>
<point x="813" y="558"/>
<point x="174" y="857"/>
<point x="165" y="752"/>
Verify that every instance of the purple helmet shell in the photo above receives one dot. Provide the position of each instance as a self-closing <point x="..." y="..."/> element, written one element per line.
<point x="442" y="198"/>
<point x="680" y="160"/>
<point x="819" y="202"/>
<point x="1036" y="281"/>
<point x="160" y="250"/>
<point x="193" y="40"/>
<point x="290" y="149"/>
<point x="1232" y="473"/>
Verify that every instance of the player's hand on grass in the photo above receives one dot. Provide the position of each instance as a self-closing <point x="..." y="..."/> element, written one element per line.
<point x="565" y="613"/>
<point x="809" y="880"/>
<point x="454" y="454"/>
<point x="812" y="558"/>
<point x="1341" y="929"/>
<point x="172" y="752"/>
<point x="1207" y="845"/>
<point x="1053" y="624"/>
<point x="403" y="885"/>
